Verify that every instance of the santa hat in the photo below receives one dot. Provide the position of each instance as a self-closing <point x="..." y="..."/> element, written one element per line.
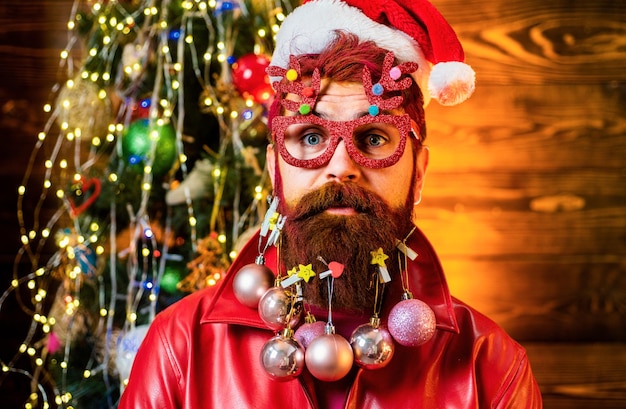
<point x="413" y="29"/>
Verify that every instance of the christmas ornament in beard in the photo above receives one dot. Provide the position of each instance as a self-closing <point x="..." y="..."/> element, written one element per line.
<point x="309" y="232"/>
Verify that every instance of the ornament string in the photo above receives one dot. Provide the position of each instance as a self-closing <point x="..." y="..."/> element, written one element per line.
<point x="403" y="263"/>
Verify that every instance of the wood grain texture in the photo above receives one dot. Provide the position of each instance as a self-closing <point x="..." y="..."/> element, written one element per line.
<point x="577" y="376"/>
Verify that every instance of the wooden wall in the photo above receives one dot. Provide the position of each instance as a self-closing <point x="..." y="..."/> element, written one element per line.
<point x="526" y="195"/>
<point x="526" y="199"/>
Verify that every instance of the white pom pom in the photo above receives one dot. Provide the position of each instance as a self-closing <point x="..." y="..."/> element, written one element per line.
<point x="451" y="82"/>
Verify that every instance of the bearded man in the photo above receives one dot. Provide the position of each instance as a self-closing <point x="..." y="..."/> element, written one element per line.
<point x="347" y="162"/>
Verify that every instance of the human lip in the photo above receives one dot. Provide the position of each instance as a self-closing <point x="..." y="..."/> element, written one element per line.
<point x="341" y="211"/>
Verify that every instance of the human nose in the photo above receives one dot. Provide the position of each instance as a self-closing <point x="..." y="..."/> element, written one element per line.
<point x="341" y="166"/>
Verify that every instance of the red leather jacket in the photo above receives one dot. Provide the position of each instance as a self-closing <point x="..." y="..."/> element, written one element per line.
<point x="204" y="352"/>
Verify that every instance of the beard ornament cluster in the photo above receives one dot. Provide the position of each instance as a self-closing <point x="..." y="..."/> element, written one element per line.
<point x="328" y="356"/>
<point x="282" y="356"/>
<point x="253" y="280"/>
<point x="411" y="322"/>
<point x="372" y="345"/>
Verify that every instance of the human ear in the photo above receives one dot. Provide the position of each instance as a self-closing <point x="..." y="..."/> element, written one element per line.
<point x="421" y="164"/>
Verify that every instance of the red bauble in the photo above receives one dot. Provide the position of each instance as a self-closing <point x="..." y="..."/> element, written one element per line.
<point x="250" y="78"/>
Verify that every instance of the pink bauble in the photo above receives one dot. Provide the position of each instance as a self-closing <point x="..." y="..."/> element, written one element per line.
<point x="251" y="282"/>
<point x="282" y="358"/>
<point x="250" y="78"/>
<point x="275" y="309"/>
<point x="329" y="357"/>
<point x="373" y="346"/>
<point x="309" y="331"/>
<point x="412" y="322"/>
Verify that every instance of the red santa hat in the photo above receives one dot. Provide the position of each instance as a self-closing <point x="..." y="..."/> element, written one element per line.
<point x="413" y="29"/>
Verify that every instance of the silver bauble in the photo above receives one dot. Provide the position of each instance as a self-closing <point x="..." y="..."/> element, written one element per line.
<point x="412" y="322"/>
<point x="282" y="358"/>
<point x="276" y="309"/>
<point x="329" y="357"/>
<point x="251" y="282"/>
<point x="372" y="345"/>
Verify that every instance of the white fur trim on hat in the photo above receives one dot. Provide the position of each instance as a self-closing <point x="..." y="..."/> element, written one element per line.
<point x="451" y="82"/>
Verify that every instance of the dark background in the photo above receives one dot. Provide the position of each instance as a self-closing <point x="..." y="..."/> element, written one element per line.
<point x="526" y="196"/>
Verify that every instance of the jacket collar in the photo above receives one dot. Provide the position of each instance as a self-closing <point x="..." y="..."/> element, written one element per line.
<point x="427" y="283"/>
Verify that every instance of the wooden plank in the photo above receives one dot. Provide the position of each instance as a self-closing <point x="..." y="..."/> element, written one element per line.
<point x="545" y="299"/>
<point x="547" y="128"/>
<point x="537" y="42"/>
<point x="580" y="376"/>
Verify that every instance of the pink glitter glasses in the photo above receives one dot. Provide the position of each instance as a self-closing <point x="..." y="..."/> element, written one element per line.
<point x="371" y="141"/>
<point x="375" y="140"/>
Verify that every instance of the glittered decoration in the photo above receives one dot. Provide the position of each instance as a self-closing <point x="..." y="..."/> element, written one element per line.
<point x="373" y="110"/>
<point x="294" y="87"/>
<point x="372" y="345"/>
<point x="341" y="130"/>
<point x="412" y="322"/>
<point x="282" y="358"/>
<point x="137" y="145"/>
<point x="386" y="84"/>
<point x="329" y="357"/>
<point x="308" y="331"/>
<point x="251" y="282"/>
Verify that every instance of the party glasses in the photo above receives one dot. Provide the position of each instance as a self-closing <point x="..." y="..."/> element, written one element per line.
<point x="308" y="141"/>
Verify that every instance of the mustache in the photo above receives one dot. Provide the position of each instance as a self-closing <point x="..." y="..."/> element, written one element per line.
<point x="335" y="194"/>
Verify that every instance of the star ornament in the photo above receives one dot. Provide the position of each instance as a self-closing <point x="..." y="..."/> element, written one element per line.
<point x="379" y="257"/>
<point x="273" y="220"/>
<point x="306" y="272"/>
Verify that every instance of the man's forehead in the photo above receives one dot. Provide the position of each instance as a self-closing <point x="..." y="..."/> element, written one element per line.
<point x="338" y="92"/>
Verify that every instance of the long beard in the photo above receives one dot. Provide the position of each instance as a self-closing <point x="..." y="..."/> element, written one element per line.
<point x="311" y="235"/>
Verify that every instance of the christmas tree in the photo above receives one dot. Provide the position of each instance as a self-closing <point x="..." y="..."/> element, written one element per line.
<point x="154" y="168"/>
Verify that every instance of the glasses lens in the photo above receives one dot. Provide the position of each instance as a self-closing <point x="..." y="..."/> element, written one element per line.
<point x="376" y="140"/>
<point x="306" y="141"/>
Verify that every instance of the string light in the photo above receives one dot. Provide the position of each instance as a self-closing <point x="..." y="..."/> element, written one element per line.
<point x="85" y="133"/>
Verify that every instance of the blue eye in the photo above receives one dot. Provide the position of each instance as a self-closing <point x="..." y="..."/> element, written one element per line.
<point x="312" y="139"/>
<point x="375" y="140"/>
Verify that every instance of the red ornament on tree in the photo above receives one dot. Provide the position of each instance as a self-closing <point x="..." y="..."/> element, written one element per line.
<point x="250" y="79"/>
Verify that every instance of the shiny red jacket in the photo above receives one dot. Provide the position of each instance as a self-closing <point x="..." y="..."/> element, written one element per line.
<point x="204" y="352"/>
